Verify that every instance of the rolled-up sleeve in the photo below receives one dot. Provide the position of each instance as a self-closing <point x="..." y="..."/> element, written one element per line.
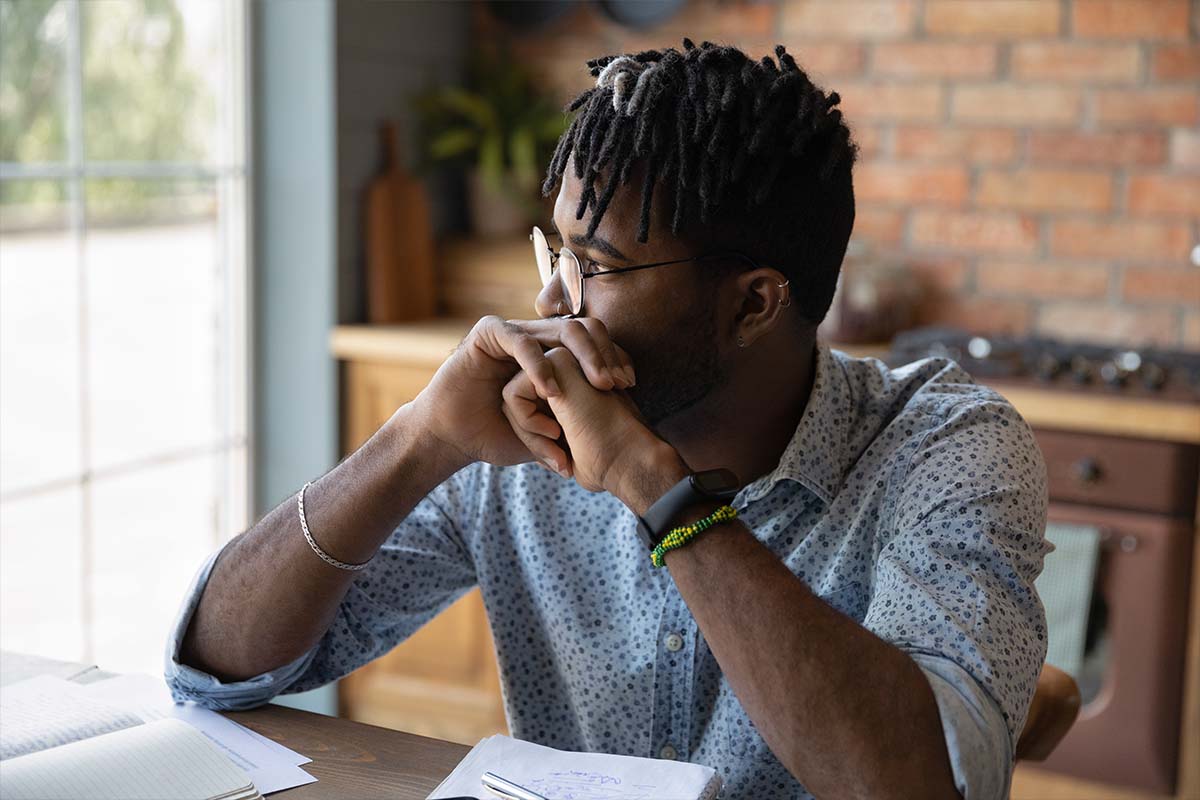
<point x="954" y="580"/>
<point x="421" y="569"/>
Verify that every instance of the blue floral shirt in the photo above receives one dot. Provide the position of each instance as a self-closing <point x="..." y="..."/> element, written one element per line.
<point x="913" y="500"/>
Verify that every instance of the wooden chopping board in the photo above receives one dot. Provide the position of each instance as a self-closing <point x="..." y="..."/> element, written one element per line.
<point x="398" y="225"/>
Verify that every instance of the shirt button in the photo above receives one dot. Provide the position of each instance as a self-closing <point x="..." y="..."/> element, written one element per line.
<point x="674" y="642"/>
<point x="668" y="752"/>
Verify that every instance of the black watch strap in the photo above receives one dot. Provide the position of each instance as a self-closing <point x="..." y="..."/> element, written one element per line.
<point x="710" y="485"/>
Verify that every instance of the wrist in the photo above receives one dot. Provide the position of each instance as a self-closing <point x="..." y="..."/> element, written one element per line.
<point x="652" y="470"/>
<point x="416" y="430"/>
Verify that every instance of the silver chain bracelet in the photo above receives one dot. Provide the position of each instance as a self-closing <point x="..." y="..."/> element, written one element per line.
<point x="328" y="559"/>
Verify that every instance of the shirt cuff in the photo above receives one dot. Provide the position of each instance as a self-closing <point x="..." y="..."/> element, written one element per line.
<point x="977" y="739"/>
<point x="188" y="683"/>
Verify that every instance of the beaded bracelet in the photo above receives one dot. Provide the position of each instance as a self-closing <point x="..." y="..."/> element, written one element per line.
<point x="678" y="537"/>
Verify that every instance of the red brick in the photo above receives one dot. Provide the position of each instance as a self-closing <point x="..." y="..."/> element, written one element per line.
<point x="980" y="314"/>
<point x="697" y="21"/>
<point x="852" y="19"/>
<point x="1147" y="107"/>
<point x="993" y="18"/>
<point x="1017" y="105"/>
<point x="1130" y="19"/>
<point x="994" y="233"/>
<point x="979" y="145"/>
<point x="1164" y="194"/>
<point x="879" y="225"/>
<point x="935" y="59"/>
<point x="1169" y="284"/>
<point x="869" y="138"/>
<point x="1107" y="324"/>
<point x="1042" y="279"/>
<point x="1095" y="63"/>
<point x="1045" y="190"/>
<point x="1185" y="149"/>
<point x="940" y="274"/>
<point x="1176" y="62"/>
<point x="1191" y="330"/>
<point x="1120" y="239"/>
<point x="911" y="184"/>
<point x="829" y="59"/>
<point x="920" y="102"/>
<point x="1111" y="148"/>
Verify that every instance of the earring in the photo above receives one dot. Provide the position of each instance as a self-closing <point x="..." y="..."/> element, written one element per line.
<point x="789" y="296"/>
<point x="741" y="342"/>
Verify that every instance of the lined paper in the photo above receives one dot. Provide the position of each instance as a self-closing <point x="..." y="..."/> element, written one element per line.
<point x="43" y="712"/>
<point x="165" y="758"/>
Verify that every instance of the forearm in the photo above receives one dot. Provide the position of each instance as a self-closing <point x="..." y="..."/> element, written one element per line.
<point x="847" y="713"/>
<point x="270" y="598"/>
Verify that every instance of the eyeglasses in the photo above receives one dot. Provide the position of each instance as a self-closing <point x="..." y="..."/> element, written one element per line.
<point x="565" y="264"/>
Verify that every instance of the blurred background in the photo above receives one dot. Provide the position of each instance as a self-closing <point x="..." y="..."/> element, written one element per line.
<point x="235" y="236"/>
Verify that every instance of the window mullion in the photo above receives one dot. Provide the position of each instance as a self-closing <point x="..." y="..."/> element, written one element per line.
<point x="78" y="222"/>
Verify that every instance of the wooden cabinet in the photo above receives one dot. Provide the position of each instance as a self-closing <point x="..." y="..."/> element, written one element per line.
<point x="442" y="681"/>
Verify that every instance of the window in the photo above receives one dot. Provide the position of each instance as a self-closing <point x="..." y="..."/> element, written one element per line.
<point x="123" y="316"/>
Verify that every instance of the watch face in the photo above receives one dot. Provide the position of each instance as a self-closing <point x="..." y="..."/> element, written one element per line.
<point x="714" y="481"/>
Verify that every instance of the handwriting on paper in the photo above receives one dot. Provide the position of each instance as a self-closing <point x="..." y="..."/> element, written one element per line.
<point x="574" y="784"/>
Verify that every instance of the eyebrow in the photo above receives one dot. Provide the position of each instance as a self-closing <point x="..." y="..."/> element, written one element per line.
<point x="598" y="243"/>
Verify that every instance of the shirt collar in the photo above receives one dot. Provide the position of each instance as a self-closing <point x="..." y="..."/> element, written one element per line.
<point x="818" y="455"/>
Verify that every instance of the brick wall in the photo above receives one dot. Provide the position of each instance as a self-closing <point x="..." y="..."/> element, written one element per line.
<point x="1037" y="161"/>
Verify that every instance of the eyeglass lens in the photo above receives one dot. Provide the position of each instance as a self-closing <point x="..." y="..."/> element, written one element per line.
<point x="570" y="276"/>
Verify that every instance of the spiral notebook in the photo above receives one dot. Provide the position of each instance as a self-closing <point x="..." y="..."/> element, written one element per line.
<point x="560" y="774"/>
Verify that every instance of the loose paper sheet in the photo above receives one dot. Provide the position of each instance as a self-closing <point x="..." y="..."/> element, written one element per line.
<point x="562" y="775"/>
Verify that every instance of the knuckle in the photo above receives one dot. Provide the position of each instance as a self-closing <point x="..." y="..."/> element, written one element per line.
<point x="576" y="326"/>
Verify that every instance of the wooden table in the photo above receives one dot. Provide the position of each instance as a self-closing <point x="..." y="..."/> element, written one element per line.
<point x="351" y="759"/>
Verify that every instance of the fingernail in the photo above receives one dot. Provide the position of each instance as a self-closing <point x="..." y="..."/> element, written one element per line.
<point x="611" y="377"/>
<point x="630" y="375"/>
<point x="550" y="463"/>
<point x="553" y="387"/>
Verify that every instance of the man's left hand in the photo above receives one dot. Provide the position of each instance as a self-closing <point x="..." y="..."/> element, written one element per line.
<point x="608" y="446"/>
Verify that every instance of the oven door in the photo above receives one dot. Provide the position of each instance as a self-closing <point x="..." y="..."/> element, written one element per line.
<point x="1128" y="729"/>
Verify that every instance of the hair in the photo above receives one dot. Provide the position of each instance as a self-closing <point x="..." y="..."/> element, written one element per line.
<point x="753" y="156"/>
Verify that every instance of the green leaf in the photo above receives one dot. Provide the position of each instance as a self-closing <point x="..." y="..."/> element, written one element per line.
<point x="491" y="160"/>
<point x="523" y="152"/>
<point x="470" y="105"/>
<point x="453" y="142"/>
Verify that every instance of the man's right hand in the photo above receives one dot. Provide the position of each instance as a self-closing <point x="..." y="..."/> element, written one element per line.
<point x="463" y="406"/>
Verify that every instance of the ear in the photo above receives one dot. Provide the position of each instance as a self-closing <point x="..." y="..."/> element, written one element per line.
<point x="764" y="296"/>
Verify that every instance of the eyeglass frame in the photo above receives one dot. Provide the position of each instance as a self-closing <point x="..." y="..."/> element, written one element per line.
<point x="554" y="256"/>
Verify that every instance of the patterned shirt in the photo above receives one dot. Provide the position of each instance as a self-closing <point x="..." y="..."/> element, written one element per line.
<point x="913" y="500"/>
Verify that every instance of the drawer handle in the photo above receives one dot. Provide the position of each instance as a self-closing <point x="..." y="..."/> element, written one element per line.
<point x="1087" y="470"/>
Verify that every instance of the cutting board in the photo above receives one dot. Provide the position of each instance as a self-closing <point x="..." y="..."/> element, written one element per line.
<point x="400" y="282"/>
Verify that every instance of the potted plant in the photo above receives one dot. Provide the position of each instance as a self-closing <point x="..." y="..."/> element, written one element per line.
<point x="501" y="129"/>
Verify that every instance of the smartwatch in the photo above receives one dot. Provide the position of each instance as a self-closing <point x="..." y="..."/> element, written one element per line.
<point x="699" y="487"/>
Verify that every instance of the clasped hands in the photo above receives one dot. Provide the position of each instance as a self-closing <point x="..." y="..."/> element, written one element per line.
<point x="551" y="391"/>
<point x="582" y="425"/>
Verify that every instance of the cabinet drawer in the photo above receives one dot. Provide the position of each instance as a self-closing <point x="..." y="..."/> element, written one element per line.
<point x="1113" y="471"/>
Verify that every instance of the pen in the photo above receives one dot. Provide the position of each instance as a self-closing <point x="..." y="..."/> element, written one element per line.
<point x="507" y="789"/>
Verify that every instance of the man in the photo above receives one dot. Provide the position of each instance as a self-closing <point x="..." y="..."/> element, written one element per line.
<point x="864" y="626"/>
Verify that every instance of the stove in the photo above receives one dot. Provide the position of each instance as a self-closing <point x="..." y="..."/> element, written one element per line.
<point x="1155" y="372"/>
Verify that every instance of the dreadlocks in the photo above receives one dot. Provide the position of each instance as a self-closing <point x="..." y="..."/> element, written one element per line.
<point x="755" y="141"/>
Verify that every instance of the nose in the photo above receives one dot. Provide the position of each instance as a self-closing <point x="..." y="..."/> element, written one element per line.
<point x="550" y="300"/>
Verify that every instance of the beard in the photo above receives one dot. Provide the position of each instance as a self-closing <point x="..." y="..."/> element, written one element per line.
<point x="677" y="369"/>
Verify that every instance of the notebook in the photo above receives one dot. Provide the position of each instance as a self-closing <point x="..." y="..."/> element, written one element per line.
<point x="164" y="758"/>
<point x="563" y="775"/>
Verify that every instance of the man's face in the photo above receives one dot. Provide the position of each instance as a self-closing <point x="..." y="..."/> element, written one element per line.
<point x="665" y="317"/>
